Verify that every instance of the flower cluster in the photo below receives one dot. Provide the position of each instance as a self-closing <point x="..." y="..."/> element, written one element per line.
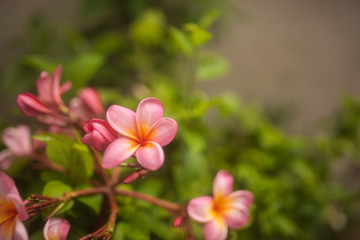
<point x="120" y="133"/>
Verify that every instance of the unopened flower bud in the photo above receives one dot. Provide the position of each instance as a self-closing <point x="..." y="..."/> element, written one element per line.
<point x="88" y="105"/>
<point x="56" y="229"/>
<point x="131" y="178"/>
<point x="30" y="105"/>
<point x="178" y="220"/>
<point x="99" y="134"/>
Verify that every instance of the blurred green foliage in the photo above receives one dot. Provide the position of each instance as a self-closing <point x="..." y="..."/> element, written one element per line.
<point x="135" y="49"/>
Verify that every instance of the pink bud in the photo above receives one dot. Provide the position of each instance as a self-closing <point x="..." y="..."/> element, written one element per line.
<point x="56" y="229"/>
<point x="30" y="105"/>
<point x="99" y="134"/>
<point x="131" y="178"/>
<point x="178" y="220"/>
<point x="92" y="100"/>
<point x="88" y="105"/>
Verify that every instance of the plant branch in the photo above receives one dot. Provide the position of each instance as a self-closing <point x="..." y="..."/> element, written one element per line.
<point x="174" y="207"/>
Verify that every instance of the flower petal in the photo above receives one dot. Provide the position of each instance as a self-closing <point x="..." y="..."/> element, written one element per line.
<point x="20" y="232"/>
<point x="18" y="203"/>
<point x="56" y="229"/>
<point x="56" y="86"/>
<point x="223" y="184"/>
<point x="119" y="151"/>
<point x="6" y="159"/>
<point x="150" y="156"/>
<point x="18" y="140"/>
<point x="30" y="105"/>
<point x="163" y="131"/>
<point x="7" y="185"/>
<point x="240" y="197"/>
<point x="201" y="209"/>
<point x="216" y="229"/>
<point x="236" y="217"/>
<point x="65" y="87"/>
<point x="44" y="87"/>
<point x="123" y="120"/>
<point x="148" y="112"/>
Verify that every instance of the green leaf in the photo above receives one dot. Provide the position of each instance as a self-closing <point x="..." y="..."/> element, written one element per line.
<point x="161" y="229"/>
<point x="209" y="17"/>
<point x="108" y="43"/>
<point x="92" y="201"/>
<point x="148" y="29"/>
<point x="40" y="63"/>
<point x="211" y="67"/>
<point x="57" y="189"/>
<point x="198" y="35"/>
<point x="83" y="67"/>
<point x="181" y="41"/>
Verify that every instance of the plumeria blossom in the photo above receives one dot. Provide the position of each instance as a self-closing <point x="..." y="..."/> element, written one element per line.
<point x="56" y="229"/>
<point x="49" y="101"/>
<point x="18" y="142"/>
<point x="225" y="209"/>
<point x="88" y="104"/>
<point x="144" y="133"/>
<point x="99" y="134"/>
<point x="12" y="211"/>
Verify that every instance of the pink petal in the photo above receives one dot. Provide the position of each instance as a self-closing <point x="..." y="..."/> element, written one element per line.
<point x="216" y="229"/>
<point x="56" y="229"/>
<point x="7" y="185"/>
<point x="150" y="156"/>
<point x="163" y="132"/>
<point x="65" y="87"/>
<point x="236" y="217"/>
<point x="119" y="151"/>
<point x="18" y="140"/>
<point x="201" y="209"/>
<point x="7" y="229"/>
<point x="20" y="232"/>
<point x="240" y="197"/>
<point x="6" y="159"/>
<point x="30" y="105"/>
<point x="56" y="86"/>
<point x="102" y="127"/>
<point x="223" y="184"/>
<point x="44" y="87"/>
<point x="123" y="120"/>
<point x="20" y="207"/>
<point x="92" y="100"/>
<point x="149" y="111"/>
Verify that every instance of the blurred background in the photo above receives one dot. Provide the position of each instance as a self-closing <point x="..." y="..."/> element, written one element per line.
<point x="279" y="81"/>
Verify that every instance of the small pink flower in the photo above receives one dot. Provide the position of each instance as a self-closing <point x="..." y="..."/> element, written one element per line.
<point x="12" y="211"/>
<point x="99" y="134"/>
<point x="56" y="229"/>
<point x="88" y="105"/>
<point x="225" y="209"/>
<point x="49" y="100"/>
<point x="144" y="134"/>
<point x="18" y="141"/>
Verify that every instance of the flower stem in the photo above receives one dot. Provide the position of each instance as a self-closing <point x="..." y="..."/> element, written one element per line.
<point x="174" y="207"/>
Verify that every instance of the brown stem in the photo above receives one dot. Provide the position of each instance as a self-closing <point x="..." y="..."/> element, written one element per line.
<point x="45" y="162"/>
<point x="98" y="168"/>
<point x="156" y="201"/>
<point x="115" y="176"/>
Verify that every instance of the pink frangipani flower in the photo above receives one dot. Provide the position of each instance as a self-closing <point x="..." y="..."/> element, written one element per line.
<point x="49" y="100"/>
<point x="12" y="211"/>
<point x="18" y="142"/>
<point x="99" y="134"/>
<point x="225" y="209"/>
<point x="144" y="133"/>
<point x="56" y="229"/>
<point x="88" y="105"/>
